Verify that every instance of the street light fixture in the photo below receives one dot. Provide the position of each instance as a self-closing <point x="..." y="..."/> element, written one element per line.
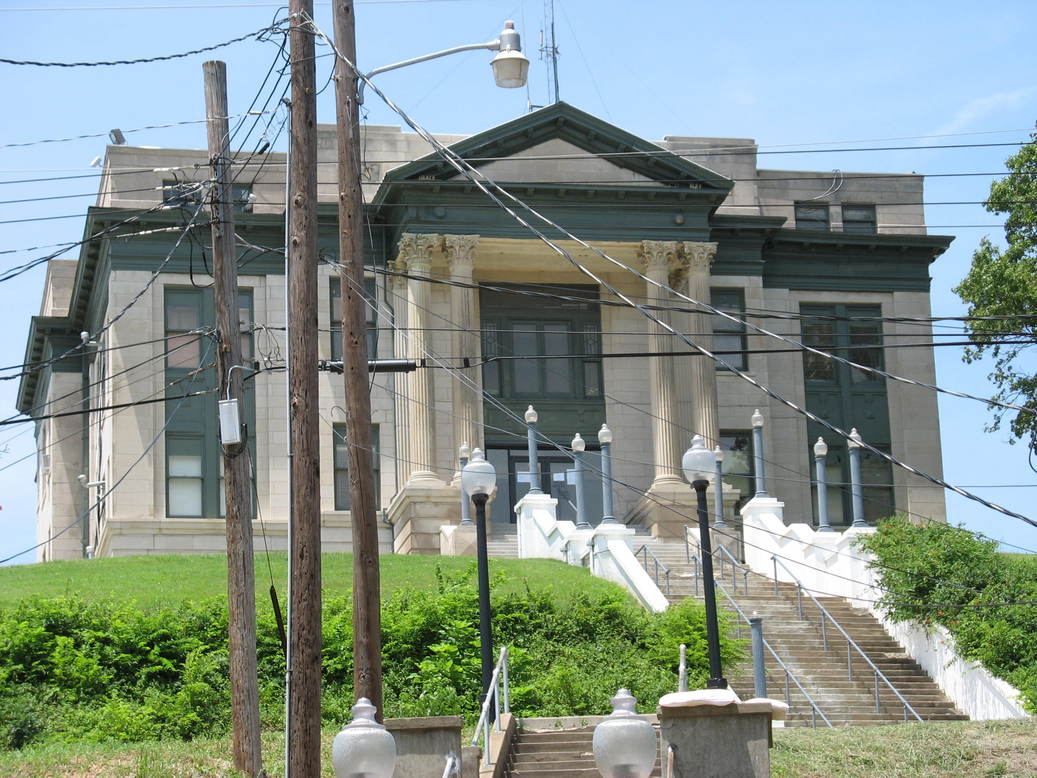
<point x="478" y="479"/>
<point x="510" y="66"/>
<point x="624" y="744"/>
<point x="699" y="465"/>
<point x="363" y="748"/>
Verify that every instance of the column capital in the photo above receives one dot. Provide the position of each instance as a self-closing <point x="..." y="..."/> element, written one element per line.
<point x="397" y="266"/>
<point x="415" y="250"/>
<point x="460" y="254"/>
<point x="700" y="254"/>
<point x="658" y="254"/>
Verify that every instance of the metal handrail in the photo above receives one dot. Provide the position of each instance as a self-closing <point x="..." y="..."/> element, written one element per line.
<point x="644" y="552"/>
<point x="850" y="642"/>
<point x="723" y="557"/>
<point x="452" y="767"/>
<point x="815" y="710"/>
<point x="493" y="692"/>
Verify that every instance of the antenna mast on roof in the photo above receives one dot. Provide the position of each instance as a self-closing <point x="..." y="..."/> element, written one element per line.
<point x="549" y="50"/>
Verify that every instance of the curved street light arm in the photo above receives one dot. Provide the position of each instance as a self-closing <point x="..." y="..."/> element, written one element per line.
<point x="493" y="45"/>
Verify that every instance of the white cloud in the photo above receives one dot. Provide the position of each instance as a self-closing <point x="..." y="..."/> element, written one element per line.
<point x="978" y="109"/>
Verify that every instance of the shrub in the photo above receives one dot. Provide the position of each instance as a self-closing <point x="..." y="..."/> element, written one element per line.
<point x="939" y="574"/>
<point x="76" y="671"/>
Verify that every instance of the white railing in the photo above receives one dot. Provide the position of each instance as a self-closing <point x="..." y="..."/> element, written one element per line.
<point x="497" y="694"/>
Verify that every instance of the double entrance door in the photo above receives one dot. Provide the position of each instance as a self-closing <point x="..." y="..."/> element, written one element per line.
<point x="512" y="465"/>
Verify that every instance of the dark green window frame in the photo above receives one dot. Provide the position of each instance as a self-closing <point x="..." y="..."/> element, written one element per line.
<point x="340" y="464"/>
<point x="848" y="397"/>
<point x="813" y="216"/>
<point x="193" y="432"/>
<point x="370" y="315"/>
<point x="729" y="335"/>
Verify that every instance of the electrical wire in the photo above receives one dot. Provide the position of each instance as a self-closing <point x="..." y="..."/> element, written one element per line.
<point x="142" y="60"/>
<point x="106" y="133"/>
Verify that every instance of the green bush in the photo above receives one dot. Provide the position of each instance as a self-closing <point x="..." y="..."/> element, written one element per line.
<point x="70" y="670"/>
<point x="939" y="574"/>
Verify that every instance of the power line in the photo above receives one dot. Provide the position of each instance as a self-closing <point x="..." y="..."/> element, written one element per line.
<point x="106" y="133"/>
<point x="142" y="60"/>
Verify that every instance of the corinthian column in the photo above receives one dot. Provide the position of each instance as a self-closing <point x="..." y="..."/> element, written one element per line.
<point x="658" y="257"/>
<point x="702" y="383"/>
<point x="416" y="250"/>
<point x="464" y="317"/>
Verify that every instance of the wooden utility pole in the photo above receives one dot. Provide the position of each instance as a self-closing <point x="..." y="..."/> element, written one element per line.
<point x="241" y="580"/>
<point x="367" y="643"/>
<point x="303" y="405"/>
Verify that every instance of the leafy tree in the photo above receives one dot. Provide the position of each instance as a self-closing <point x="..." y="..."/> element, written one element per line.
<point x="1003" y="283"/>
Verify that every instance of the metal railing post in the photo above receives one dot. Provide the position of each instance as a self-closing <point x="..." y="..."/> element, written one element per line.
<point x="775" y="561"/>
<point x="759" y="670"/>
<point x="824" y="632"/>
<point x="877" y="708"/>
<point x="849" y="661"/>
<point x="682" y="670"/>
<point x="507" y="689"/>
<point x="799" y="600"/>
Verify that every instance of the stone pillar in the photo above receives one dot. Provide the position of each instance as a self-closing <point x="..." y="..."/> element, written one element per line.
<point x="464" y="317"/>
<point x="424" y="503"/>
<point x="416" y="249"/>
<point x="658" y="258"/>
<point x="702" y="370"/>
<point x="400" y="381"/>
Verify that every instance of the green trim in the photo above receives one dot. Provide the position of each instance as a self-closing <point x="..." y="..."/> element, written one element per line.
<point x="836" y="261"/>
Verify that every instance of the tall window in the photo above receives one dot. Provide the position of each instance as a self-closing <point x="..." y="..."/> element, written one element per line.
<point x="194" y="481"/>
<point x="859" y="218"/>
<point x="370" y="314"/>
<point x="341" y="464"/>
<point x="729" y="335"/>
<point x="811" y="216"/>
<point x="848" y="397"/>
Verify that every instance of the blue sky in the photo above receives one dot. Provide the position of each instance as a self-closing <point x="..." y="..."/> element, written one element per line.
<point x="791" y="73"/>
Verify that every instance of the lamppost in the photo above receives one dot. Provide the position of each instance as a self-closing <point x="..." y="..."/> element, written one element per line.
<point x="363" y="748"/>
<point x="624" y="744"/>
<point x="579" y="446"/>
<point x="699" y="465"/>
<point x="605" y="439"/>
<point x="856" y="491"/>
<point x="820" y="453"/>
<point x="761" y="482"/>
<point x="531" y="417"/>
<point x="478" y="480"/>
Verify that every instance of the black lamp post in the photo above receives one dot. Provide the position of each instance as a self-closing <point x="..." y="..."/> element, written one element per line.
<point x="699" y="465"/>
<point x="478" y="478"/>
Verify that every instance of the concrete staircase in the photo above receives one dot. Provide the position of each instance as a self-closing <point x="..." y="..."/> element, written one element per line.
<point x="503" y="543"/>
<point x="554" y="753"/>
<point x="847" y="699"/>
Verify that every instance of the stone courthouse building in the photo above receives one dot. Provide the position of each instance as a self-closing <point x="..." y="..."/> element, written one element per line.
<point x="501" y="321"/>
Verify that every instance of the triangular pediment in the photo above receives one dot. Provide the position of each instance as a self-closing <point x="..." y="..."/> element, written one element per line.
<point x="561" y="144"/>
